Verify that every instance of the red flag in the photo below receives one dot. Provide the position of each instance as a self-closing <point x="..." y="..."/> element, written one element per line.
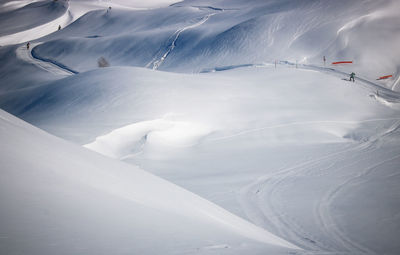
<point x="342" y="62"/>
<point x="385" y="77"/>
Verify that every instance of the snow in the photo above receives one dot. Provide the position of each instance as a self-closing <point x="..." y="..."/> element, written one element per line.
<point x="217" y="129"/>
<point x="47" y="16"/>
<point x="66" y="194"/>
<point x="221" y="33"/>
<point x="16" y="12"/>
<point x="25" y="54"/>
<point x="120" y="142"/>
<point x="219" y="132"/>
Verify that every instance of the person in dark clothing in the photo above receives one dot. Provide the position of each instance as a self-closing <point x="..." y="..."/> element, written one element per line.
<point x="352" y="75"/>
<point x="59" y="27"/>
<point x="27" y="46"/>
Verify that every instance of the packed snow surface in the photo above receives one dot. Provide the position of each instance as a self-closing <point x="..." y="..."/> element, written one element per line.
<point x="217" y="129"/>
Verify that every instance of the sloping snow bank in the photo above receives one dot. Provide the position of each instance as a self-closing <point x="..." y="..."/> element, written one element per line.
<point x="290" y="105"/>
<point x="25" y="21"/>
<point x="37" y="32"/>
<point x="33" y="21"/>
<point x="59" y="197"/>
<point x="31" y="14"/>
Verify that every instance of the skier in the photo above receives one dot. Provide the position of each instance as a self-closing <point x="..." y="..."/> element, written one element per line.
<point x="59" y="27"/>
<point x="324" y="59"/>
<point x="352" y="75"/>
<point x="27" y="46"/>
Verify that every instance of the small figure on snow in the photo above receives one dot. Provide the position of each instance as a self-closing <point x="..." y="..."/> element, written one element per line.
<point x="324" y="59"/>
<point x="59" y="27"/>
<point x="27" y="45"/>
<point x="352" y="75"/>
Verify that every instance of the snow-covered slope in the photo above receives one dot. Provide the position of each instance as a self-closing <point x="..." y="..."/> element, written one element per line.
<point x="258" y="141"/>
<point x="229" y="102"/>
<point x="23" y="21"/>
<point x="191" y="36"/>
<point x="30" y="16"/>
<point x="59" y="198"/>
<point x="33" y="20"/>
<point x="193" y="96"/>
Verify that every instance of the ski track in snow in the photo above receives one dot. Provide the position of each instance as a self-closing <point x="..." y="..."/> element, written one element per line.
<point x="262" y="212"/>
<point x="386" y="96"/>
<point x="156" y="63"/>
<point x="323" y="209"/>
<point x="26" y="55"/>
<point x="325" y="218"/>
<point x="391" y="95"/>
<point x="257" y="200"/>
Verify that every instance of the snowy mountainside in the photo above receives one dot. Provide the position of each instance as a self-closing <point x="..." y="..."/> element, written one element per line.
<point x="207" y="34"/>
<point x="58" y="197"/>
<point x="28" y="20"/>
<point x="193" y="95"/>
<point x="238" y="136"/>
<point x="30" y="16"/>
<point x="223" y="102"/>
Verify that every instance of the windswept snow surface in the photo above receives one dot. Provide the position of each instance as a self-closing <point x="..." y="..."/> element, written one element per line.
<point x="33" y="21"/>
<point x="33" y="14"/>
<point x="59" y="198"/>
<point x="193" y="96"/>
<point x="275" y="146"/>
<point x="190" y="36"/>
<point x="24" y="21"/>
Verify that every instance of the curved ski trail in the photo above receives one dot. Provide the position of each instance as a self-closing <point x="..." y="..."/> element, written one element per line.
<point x="257" y="199"/>
<point x="25" y="54"/>
<point x="324" y="214"/>
<point x="266" y="186"/>
<point x="156" y="63"/>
